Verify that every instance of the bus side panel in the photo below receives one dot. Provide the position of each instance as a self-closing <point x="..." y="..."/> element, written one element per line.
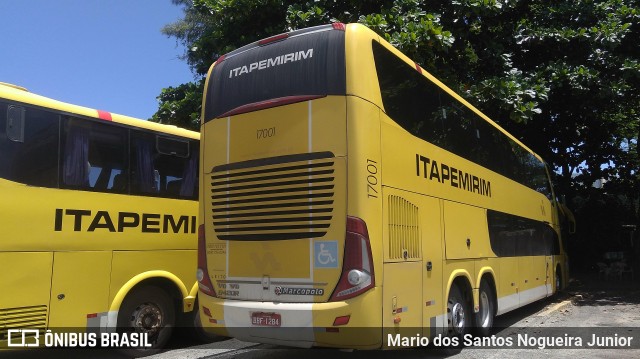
<point x="25" y="280"/>
<point x="507" y="283"/>
<point x="365" y="173"/>
<point x="466" y="232"/>
<point x="79" y="289"/>
<point x="128" y="264"/>
<point x="532" y="279"/>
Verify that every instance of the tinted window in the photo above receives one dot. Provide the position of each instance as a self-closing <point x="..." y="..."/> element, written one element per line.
<point x="170" y="174"/>
<point x="512" y="236"/>
<point x="430" y="113"/>
<point x="29" y="145"/>
<point x="94" y="156"/>
<point x="308" y="64"/>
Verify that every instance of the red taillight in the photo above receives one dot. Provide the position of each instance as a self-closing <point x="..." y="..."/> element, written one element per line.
<point x="204" y="282"/>
<point x="357" y="268"/>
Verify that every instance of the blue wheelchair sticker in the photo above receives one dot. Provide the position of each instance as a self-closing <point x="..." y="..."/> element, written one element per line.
<point x="325" y="254"/>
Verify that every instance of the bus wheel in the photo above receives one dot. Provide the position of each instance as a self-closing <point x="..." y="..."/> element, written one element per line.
<point x="484" y="317"/>
<point x="458" y="313"/>
<point x="147" y="310"/>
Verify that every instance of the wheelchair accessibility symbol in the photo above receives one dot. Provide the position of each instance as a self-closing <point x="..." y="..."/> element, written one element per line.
<point x="326" y="254"/>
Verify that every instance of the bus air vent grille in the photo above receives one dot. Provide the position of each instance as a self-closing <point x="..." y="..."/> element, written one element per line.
<point x="22" y="318"/>
<point x="280" y="198"/>
<point x="404" y="233"/>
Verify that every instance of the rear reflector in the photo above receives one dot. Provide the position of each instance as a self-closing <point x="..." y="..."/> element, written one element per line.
<point x="344" y="320"/>
<point x="206" y="311"/>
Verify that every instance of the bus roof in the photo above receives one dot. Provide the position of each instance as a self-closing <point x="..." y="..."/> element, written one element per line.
<point x="22" y="95"/>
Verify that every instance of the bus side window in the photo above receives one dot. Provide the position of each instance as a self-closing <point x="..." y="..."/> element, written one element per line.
<point x="29" y="145"/>
<point x="93" y="155"/>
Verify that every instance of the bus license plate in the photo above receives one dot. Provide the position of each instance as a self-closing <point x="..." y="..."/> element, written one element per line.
<point x="266" y="319"/>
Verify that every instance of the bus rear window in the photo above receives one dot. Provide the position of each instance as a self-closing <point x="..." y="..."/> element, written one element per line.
<point x="311" y="63"/>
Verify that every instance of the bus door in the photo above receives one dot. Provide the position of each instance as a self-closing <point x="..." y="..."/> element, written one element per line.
<point x="405" y="224"/>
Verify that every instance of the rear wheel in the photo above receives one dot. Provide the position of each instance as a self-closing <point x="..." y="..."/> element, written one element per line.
<point x="486" y="314"/>
<point x="558" y="280"/>
<point x="147" y="310"/>
<point x="459" y="314"/>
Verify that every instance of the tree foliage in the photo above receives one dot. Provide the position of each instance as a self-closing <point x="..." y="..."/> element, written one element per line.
<point x="562" y="76"/>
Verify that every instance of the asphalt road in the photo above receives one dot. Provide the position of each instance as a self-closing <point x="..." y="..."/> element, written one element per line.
<point x="609" y="309"/>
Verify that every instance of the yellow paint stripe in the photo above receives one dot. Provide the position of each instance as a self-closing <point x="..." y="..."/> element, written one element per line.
<point x="554" y="308"/>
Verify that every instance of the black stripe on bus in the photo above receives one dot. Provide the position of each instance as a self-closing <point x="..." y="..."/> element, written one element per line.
<point x="278" y="198"/>
<point x="272" y="213"/>
<point x="274" y="184"/>
<point x="273" y="220"/>
<point x="273" y="161"/>
<point x="272" y="191"/>
<point x="275" y="205"/>
<point x="272" y="177"/>
<point x="271" y="170"/>
<point x="273" y="228"/>
<point x="270" y="236"/>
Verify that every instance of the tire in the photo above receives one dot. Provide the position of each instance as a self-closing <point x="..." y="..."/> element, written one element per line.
<point x="147" y="310"/>
<point x="558" y="279"/>
<point x="483" y="320"/>
<point x="459" y="314"/>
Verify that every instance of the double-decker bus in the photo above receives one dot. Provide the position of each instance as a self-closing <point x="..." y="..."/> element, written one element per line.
<point x="347" y="194"/>
<point x="98" y="220"/>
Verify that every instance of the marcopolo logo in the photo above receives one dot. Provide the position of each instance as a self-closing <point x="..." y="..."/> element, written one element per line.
<point x="298" y="291"/>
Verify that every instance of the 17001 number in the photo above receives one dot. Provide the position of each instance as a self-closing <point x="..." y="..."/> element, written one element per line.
<point x="372" y="179"/>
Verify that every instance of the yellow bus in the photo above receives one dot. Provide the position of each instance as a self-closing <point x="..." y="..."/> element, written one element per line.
<point x="98" y="218"/>
<point x="348" y="197"/>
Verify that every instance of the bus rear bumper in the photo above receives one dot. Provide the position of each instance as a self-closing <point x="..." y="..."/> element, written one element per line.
<point x="302" y="325"/>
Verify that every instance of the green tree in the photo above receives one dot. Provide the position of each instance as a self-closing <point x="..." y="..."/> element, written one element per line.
<point x="562" y="76"/>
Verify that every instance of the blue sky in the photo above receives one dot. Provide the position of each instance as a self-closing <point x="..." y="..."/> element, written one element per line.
<point x="108" y="55"/>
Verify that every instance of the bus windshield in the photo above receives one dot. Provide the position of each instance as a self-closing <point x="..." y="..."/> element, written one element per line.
<point x="304" y="63"/>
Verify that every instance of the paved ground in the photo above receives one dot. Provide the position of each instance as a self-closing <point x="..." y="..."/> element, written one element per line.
<point x="604" y="307"/>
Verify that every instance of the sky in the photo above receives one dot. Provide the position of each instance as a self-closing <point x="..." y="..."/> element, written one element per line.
<point x="103" y="54"/>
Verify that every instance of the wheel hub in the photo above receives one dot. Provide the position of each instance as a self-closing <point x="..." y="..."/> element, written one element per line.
<point x="457" y="318"/>
<point x="147" y="318"/>
<point x="484" y="307"/>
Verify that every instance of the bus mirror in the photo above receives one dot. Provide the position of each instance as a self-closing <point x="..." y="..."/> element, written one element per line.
<point x="568" y="218"/>
<point x="15" y="123"/>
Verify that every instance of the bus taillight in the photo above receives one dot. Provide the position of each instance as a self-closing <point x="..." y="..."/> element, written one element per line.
<point x="357" y="269"/>
<point x="204" y="282"/>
